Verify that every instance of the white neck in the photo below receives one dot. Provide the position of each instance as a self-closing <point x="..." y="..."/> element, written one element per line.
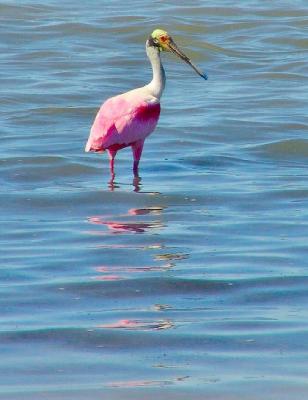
<point x="157" y="85"/>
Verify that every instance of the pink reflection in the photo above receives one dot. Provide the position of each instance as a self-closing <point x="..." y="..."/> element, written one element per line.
<point x="121" y="227"/>
<point x="117" y="272"/>
<point x="128" y="226"/>
<point x="108" y="278"/>
<point x="141" y="383"/>
<point x="129" y="246"/>
<point x="133" y="384"/>
<point x="144" y="211"/>
<point x="139" y="325"/>
<point x="117" y="268"/>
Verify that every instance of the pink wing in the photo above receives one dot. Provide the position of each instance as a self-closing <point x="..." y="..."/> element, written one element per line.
<point x="122" y="122"/>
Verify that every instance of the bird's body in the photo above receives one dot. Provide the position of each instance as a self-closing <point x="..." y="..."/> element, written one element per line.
<point x="127" y="119"/>
<point x="123" y="120"/>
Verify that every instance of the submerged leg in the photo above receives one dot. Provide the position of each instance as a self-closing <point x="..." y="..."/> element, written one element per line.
<point x="137" y="148"/>
<point x="112" y="154"/>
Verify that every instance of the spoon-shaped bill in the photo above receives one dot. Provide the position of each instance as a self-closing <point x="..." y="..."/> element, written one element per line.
<point x="174" y="48"/>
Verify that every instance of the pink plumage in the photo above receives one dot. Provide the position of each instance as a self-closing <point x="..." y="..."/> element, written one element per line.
<point x="120" y="123"/>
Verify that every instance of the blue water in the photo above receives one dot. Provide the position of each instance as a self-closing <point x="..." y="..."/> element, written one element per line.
<point x="191" y="283"/>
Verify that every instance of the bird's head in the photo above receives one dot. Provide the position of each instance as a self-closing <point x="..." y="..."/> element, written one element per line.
<point x="164" y="42"/>
<point x="161" y="39"/>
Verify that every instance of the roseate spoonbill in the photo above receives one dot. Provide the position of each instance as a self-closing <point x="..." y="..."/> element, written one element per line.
<point x="127" y="119"/>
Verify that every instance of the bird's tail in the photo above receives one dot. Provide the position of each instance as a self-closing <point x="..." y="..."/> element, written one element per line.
<point x="89" y="147"/>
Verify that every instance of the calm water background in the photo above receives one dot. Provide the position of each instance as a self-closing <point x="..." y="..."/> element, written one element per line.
<point x="194" y="283"/>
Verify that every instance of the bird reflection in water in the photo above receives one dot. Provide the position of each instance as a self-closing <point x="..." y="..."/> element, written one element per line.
<point x="133" y="324"/>
<point x="112" y="184"/>
<point x="161" y="263"/>
<point x="152" y="383"/>
<point x="127" y="226"/>
<point x="119" y="272"/>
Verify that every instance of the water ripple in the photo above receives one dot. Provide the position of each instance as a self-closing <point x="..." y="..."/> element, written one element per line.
<point x="190" y="281"/>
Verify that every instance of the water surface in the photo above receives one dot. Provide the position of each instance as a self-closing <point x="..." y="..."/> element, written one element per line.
<point x="191" y="283"/>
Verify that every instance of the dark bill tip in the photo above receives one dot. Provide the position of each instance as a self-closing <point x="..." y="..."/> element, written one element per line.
<point x="204" y="76"/>
<point x="174" y="48"/>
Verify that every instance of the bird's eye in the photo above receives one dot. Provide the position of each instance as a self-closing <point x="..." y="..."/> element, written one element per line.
<point x="153" y="42"/>
<point x="164" y="38"/>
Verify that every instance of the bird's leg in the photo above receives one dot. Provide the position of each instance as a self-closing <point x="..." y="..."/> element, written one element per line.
<point x="137" y="148"/>
<point x="112" y="154"/>
<point x="136" y="168"/>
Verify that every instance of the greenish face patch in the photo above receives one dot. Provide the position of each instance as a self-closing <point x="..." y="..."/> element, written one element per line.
<point x="157" y="33"/>
<point x="161" y="39"/>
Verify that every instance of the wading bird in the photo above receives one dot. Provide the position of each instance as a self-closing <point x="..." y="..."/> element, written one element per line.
<point x="127" y="119"/>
